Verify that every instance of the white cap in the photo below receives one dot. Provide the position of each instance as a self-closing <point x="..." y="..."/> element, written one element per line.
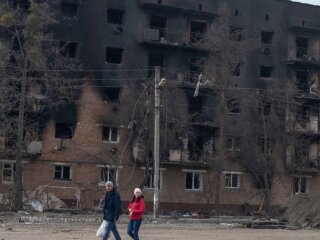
<point x="137" y="190"/>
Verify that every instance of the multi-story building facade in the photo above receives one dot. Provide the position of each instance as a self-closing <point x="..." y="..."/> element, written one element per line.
<point x="119" y="42"/>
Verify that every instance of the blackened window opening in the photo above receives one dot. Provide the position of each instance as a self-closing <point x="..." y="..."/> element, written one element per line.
<point x="197" y="30"/>
<point x="160" y="23"/>
<point x="115" y="16"/>
<point x="302" y="47"/>
<point x="68" y="49"/>
<point x="266" y="37"/>
<point x="265" y="72"/>
<point x="114" y="55"/>
<point x="195" y="104"/>
<point x="302" y="80"/>
<point x="64" y="130"/>
<point x="155" y="59"/>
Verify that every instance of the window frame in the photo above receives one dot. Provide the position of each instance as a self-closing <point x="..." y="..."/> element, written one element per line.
<point x="109" y="140"/>
<point x="232" y="174"/>
<point x="62" y="172"/>
<point x="102" y="182"/>
<point x="299" y="184"/>
<point x="193" y="172"/>
<point x="151" y="176"/>
<point x="117" y="11"/>
<point x="12" y="170"/>
<point x="233" y="149"/>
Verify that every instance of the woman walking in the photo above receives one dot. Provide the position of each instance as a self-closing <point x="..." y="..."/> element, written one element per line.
<point x="136" y="210"/>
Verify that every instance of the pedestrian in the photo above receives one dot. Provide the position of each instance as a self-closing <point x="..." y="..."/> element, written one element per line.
<point x="111" y="211"/>
<point x="136" y="210"/>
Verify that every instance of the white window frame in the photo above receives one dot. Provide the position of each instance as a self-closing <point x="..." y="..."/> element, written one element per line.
<point x="62" y="165"/>
<point x="108" y="167"/>
<point x="200" y="172"/>
<point x="12" y="167"/>
<point x="299" y="190"/>
<point x="232" y="174"/>
<point x="110" y="134"/>
<point x="233" y="149"/>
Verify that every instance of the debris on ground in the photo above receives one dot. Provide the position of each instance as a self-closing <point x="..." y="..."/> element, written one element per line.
<point x="303" y="210"/>
<point x="267" y="224"/>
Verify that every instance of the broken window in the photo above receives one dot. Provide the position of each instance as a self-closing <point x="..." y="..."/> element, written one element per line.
<point x="301" y="151"/>
<point x="69" y="9"/>
<point x="302" y="80"/>
<point x="232" y="180"/>
<point x="267" y="17"/>
<point x="264" y="108"/>
<point x="107" y="174"/>
<point x="235" y="33"/>
<point x="300" y="185"/>
<point x="234" y="106"/>
<point x="302" y="114"/>
<point x="62" y="172"/>
<point x="265" y="72"/>
<point x="302" y="47"/>
<point x="236" y="12"/>
<point x="193" y="181"/>
<point x="197" y="30"/>
<point x="262" y="142"/>
<point x="68" y="49"/>
<point x="159" y="23"/>
<point x="195" y="104"/>
<point x="260" y="183"/>
<point x="266" y="37"/>
<point x="155" y="59"/>
<point x="233" y="143"/>
<point x="110" y="134"/>
<point x="236" y="71"/>
<point x="64" y="130"/>
<point x="114" y="55"/>
<point x="196" y="67"/>
<point x="115" y="16"/>
<point x="10" y="140"/>
<point x="149" y="179"/>
<point x="111" y="94"/>
<point x="8" y="171"/>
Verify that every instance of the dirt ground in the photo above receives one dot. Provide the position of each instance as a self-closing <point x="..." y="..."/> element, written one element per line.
<point x="151" y="231"/>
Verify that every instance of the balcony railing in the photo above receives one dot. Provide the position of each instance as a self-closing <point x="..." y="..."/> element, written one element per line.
<point x="304" y="56"/>
<point x="171" y="38"/>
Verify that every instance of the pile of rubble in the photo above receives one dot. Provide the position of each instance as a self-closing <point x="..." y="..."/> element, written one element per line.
<point x="303" y="210"/>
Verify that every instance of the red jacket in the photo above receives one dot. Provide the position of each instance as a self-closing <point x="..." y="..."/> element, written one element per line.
<point x="137" y="208"/>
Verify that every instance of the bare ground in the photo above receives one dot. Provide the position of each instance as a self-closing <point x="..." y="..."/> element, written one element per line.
<point x="151" y="231"/>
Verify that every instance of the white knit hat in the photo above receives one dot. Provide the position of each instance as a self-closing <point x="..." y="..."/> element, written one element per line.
<point x="137" y="190"/>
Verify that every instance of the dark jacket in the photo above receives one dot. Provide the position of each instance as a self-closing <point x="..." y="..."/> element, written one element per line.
<point x="112" y="206"/>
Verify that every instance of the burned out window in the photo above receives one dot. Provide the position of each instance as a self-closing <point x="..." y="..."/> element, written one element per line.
<point x="233" y="143"/>
<point x="69" y="9"/>
<point x="302" y="47"/>
<point x="62" y="172"/>
<point x="111" y="94"/>
<point x="302" y="80"/>
<point x="262" y="142"/>
<point x="196" y="67"/>
<point x="107" y="174"/>
<point x="236" y="12"/>
<point x="302" y="114"/>
<point x="115" y="16"/>
<point x="193" y="181"/>
<point x="114" y="55"/>
<point x="236" y="72"/>
<point x="266" y="37"/>
<point x="197" y="31"/>
<point x="264" y="108"/>
<point x="235" y="33"/>
<point x="8" y="171"/>
<point x="160" y="24"/>
<point x="149" y="179"/>
<point x="300" y="185"/>
<point x="195" y="104"/>
<point x="234" y="106"/>
<point x="232" y="180"/>
<point x="110" y="134"/>
<point x="266" y="72"/>
<point x="155" y="59"/>
<point x="267" y="17"/>
<point x="260" y="182"/>
<point x="64" y="130"/>
<point x="68" y="49"/>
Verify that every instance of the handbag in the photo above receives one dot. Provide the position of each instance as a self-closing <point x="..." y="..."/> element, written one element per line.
<point x="102" y="229"/>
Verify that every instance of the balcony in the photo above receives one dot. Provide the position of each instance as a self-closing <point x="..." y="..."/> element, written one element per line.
<point x="305" y="166"/>
<point x="304" y="25"/>
<point x="171" y="39"/>
<point x="183" y="157"/>
<point x="304" y="58"/>
<point x="187" y="7"/>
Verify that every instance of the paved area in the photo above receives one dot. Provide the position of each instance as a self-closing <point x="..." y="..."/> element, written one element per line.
<point x="151" y="232"/>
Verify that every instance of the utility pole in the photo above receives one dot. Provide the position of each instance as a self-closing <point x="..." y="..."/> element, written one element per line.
<point x="156" y="140"/>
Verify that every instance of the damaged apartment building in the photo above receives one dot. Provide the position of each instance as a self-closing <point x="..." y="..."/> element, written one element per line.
<point x="107" y="134"/>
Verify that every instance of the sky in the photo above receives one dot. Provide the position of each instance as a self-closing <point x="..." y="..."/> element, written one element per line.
<point x="314" y="2"/>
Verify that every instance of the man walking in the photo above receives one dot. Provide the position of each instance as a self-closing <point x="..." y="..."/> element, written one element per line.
<point x="111" y="211"/>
